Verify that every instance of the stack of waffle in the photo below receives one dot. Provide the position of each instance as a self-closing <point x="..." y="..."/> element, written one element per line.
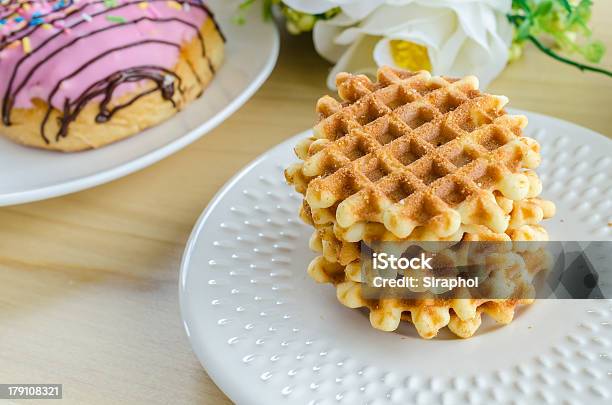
<point x="413" y="157"/>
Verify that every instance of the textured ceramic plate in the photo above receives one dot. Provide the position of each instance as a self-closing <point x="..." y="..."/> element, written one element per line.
<point x="251" y="53"/>
<point x="266" y="333"/>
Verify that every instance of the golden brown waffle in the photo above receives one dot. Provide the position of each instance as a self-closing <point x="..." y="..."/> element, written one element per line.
<point x="414" y="151"/>
<point x="340" y="265"/>
<point x="461" y="315"/>
<point x="525" y="216"/>
<point x="507" y="257"/>
<point x="324" y="240"/>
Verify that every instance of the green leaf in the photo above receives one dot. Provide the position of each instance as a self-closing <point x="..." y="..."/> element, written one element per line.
<point x="267" y="9"/>
<point x="543" y="8"/>
<point x="583" y="10"/>
<point x="566" y="22"/>
<point x="238" y="19"/>
<point x="523" y="30"/>
<point x="594" y="51"/>
<point x="522" y="4"/>
<point x="566" y="4"/>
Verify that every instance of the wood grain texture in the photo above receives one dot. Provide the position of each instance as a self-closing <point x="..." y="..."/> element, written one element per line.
<point x="88" y="282"/>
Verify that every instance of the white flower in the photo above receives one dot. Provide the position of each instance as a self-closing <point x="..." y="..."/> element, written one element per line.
<point x="447" y="37"/>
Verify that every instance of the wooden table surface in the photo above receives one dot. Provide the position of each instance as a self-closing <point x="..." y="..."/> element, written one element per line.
<point x="88" y="282"/>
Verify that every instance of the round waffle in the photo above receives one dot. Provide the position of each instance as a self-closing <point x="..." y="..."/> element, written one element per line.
<point x="428" y="313"/>
<point x="414" y="151"/>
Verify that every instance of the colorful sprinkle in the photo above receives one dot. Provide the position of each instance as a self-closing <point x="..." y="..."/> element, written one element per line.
<point x="116" y="19"/>
<point x="27" y="46"/>
<point x="173" y="4"/>
<point x="58" y="5"/>
<point x="36" y="21"/>
<point x="143" y="5"/>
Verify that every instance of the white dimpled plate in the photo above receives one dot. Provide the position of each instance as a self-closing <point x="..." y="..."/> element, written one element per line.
<point x="267" y="333"/>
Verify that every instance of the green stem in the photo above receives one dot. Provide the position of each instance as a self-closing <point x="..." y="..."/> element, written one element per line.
<point x="560" y="58"/>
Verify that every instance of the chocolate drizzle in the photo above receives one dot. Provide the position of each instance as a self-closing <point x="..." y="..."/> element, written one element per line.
<point x="106" y="88"/>
<point x="164" y="80"/>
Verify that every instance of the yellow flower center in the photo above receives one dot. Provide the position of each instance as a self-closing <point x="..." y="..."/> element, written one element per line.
<point x="409" y="55"/>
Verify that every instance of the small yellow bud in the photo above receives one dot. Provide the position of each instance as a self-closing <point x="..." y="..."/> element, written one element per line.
<point x="516" y="51"/>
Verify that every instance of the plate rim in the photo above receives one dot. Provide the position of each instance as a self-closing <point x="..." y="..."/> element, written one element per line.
<point x="141" y="162"/>
<point x="226" y="385"/>
<point x="203" y="353"/>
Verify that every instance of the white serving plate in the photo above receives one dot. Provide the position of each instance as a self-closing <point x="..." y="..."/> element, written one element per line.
<point x="266" y="333"/>
<point x="251" y="52"/>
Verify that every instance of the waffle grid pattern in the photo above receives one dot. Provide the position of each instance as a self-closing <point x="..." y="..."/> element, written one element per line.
<point x="427" y="163"/>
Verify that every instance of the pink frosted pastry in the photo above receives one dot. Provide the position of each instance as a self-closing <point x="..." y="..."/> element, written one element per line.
<point x="79" y="74"/>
